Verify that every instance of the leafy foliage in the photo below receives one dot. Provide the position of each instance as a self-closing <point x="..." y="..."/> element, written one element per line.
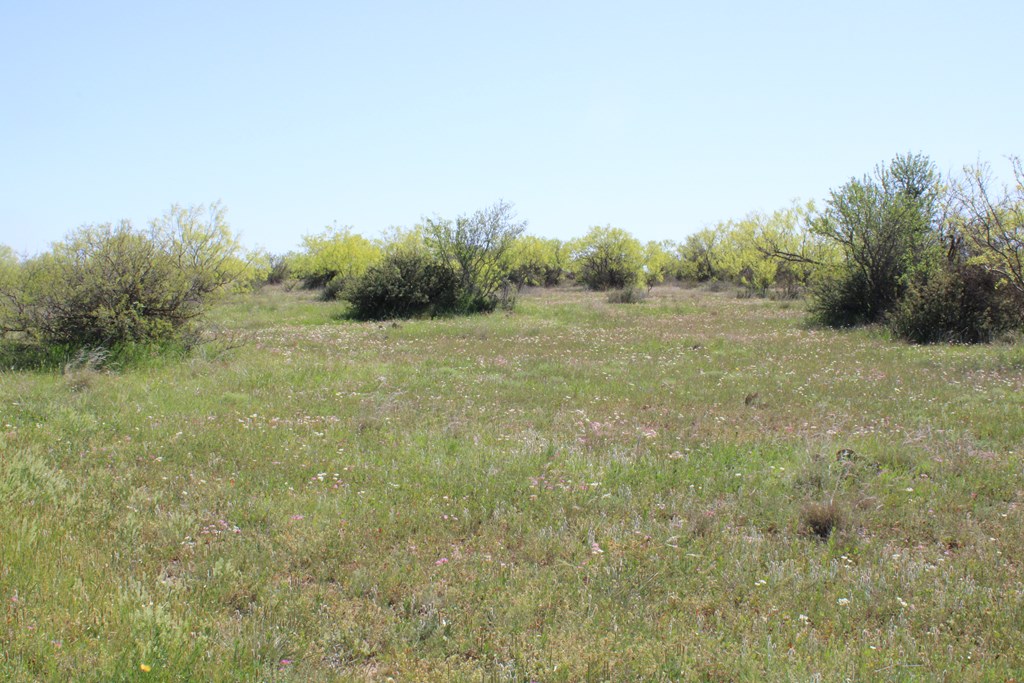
<point x="608" y="258"/>
<point x="111" y="284"/>
<point x="474" y="248"/>
<point x="406" y="283"/>
<point x="698" y="255"/>
<point x="885" y="228"/>
<point x="279" y="268"/>
<point x="536" y="261"/>
<point x="658" y="261"/>
<point x="336" y="254"/>
<point x="961" y="303"/>
<point x="993" y="221"/>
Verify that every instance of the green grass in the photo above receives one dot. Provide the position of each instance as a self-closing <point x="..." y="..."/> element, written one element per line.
<point x="577" y="490"/>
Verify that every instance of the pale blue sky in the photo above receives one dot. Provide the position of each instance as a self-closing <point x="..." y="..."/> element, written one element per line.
<point x="658" y="117"/>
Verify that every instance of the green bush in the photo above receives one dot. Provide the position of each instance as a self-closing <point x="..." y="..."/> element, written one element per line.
<point x="335" y="289"/>
<point x="279" y="269"/>
<point x="406" y="283"/>
<point x="476" y="248"/>
<point x="885" y="227"/>
<point x="536" y="262"/>
<point x="957" y="303"/>
<point x="331" y="254"/>
<point x="842" y="300"/>
<point x="109" y="285"/>
<point x="608" y="258"/>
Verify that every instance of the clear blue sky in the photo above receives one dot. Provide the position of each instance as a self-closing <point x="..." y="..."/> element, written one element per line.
<point x="658" y="117"/>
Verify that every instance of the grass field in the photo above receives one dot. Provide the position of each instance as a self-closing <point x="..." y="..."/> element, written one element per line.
<point x="698" y="487"/>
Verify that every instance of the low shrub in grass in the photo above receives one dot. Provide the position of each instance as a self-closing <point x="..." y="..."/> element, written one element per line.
<point x="843" y="301"/>
<point x="956" y="303"/>
<point x="627" y="295"/>
<point x="107" y="285"/>
<point x="279" y="269"/>
<point x="335" y="288"/>
<point x="406" y="283"/>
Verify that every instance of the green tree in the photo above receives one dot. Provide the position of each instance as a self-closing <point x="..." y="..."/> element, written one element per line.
<point x="608" y="258"/>
<point x="333" y="257"/>
<point x="886" y="227"/>
<point x="992" y="220"/>
<point x="536" y="261"/>
<point x="699" y="254"/>
<point x="740" y="260"/>
<point x="658" y="261"/>
<point x="788" y="238"/>
<point x="474" y="247"/>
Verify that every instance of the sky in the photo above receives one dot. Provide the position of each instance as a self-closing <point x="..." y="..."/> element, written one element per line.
<point x="657" y="117"/>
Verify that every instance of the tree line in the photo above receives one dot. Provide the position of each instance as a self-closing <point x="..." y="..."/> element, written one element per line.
<point x="933" y="258"/>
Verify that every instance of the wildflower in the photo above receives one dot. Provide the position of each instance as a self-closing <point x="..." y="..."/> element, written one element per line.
<point x="595" y="549"/>
<point x="804" y="618"/>
<point x="145" y="667"/>
<point x="443" y="560"/>
<point x="843" y="602"/>
<point x="298" y="517"/>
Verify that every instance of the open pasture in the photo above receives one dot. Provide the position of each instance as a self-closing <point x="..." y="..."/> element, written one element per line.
<point x="698" y="487"/>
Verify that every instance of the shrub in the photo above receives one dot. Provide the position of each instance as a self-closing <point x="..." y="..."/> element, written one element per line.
<point x="627" y="295"/>
<point x="278" y="269"/>
<point x="335" y="289"/>
<point x="536" y="262"/>
<point x="885" y="227"/>
<point x="821" y="519"/>
<point x="956" y="303"/>
<point x="406" y="283"/>
<point x="476" y="249"/>
<point x="608" y="258"/>
<point x="332" y="254"/>
<point x="842" y="300"/>
<point x="107" y="285"/>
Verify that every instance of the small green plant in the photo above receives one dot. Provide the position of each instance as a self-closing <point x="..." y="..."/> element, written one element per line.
<point x="81" y="369"/>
